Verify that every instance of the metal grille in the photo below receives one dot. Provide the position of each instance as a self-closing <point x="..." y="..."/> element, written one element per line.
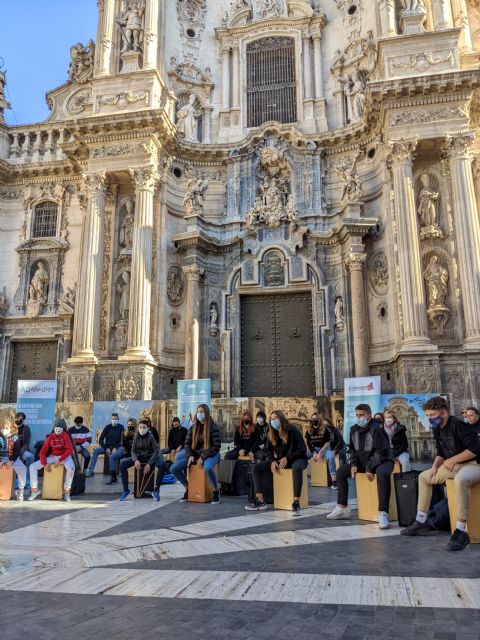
<point x="271" y="81"/>
<point x="45" y="220"/>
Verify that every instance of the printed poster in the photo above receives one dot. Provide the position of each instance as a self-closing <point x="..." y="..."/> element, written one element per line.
<point x="37" y="398"/>
<point x="190" y="394"/>
<point x="360" y="390"/>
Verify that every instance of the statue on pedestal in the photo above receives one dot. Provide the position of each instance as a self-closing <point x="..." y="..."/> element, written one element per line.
<point x="38" y="291"/>
<point x="193" y="200"/>
<point x="427" y="210"/>
<point x="132" y="26"/>
<point x="124" y="289"/>
<point x="436" y="278"/>
<point x="126" y="230"/>
<point x="81" y="62"/>
<point x="187" y="118"/>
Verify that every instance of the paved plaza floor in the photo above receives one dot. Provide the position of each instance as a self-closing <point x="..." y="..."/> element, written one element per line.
<point x="99" y="568"/>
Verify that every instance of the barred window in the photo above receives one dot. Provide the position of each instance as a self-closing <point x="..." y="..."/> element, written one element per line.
<point x="45" y="220"/>
<point x="271" y="81"/>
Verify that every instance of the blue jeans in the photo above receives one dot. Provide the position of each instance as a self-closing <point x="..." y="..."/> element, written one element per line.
<point x="179" y="469"/>
<point x="112" y="459"/>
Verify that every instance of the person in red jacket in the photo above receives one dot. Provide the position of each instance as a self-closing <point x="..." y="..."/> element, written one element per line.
<point x="57" y="449"/>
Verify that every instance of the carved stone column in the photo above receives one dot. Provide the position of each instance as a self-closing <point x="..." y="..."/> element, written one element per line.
<point x="193" y="273"/>
<point x="387" y="17"/>
<point x="105" y="36"/>
<point x="442" y="14"/>
<point x="90" y="277"/>
<point x="138" y="345"/>
<point x="307" y="68"/>
<point x="467" y="228"/>
<point x="355" y="263"/>
<point x="151" y="35"/>
<point x="226" y="75"/>
<point x="236" y="76"/>
<point x="415" y="324"/>
<point x="461" y="19"/>
<point x="317" y="52"/>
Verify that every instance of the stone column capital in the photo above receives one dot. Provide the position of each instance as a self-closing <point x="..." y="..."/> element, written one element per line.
<point x="317" y="36"/>
<point x="226" y="47"/>
<point x="401" y="151"/>
<point x="145" y="178"/>
<point x="95" y="182"/>
<point x="192" y="272"/>
<point x="458" y="145"/>
<point x="356" y="260"/>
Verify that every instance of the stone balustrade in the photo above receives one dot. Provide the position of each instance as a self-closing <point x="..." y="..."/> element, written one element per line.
<point x="40" y="144"/>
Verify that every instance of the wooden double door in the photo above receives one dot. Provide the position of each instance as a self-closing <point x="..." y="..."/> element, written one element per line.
<point x="32" y="361"/>
<point x="277" y="351"/>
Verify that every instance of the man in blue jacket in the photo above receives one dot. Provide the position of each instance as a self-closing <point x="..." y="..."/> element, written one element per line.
<point x="110" y="441"/>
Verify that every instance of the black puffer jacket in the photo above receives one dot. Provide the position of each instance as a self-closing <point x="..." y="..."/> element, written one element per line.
<point x="215" y="443"/>
<point x="145" y="449"/>
<point x="399" y="441"/>
<point x="293" y="449"/>
<point x="369" y="447"/>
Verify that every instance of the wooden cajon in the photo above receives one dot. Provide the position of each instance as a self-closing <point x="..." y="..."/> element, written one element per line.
<point x="473" y="523"/>
<point x="144" y="484"/>
<point x="171" y="456"/>
<point x="318" y="473"/>
<point x="367" y="499"/>
<point x="7" y="483"/>
<point x="244" y="458"/>
<point x="397" y="467"/>
<point x="53" y="481"/>
<point x="283" y="489"/>
<point x="131" y="475"/>
<point x="106" y="465"/>
<point x="199" y="488"/>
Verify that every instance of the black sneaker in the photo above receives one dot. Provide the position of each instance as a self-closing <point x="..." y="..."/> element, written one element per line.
<point x="113" y="479"/>
<point x="296" y="508"/>
<point x="458" y="541"/>
<point x="185" y="497"/>
<point x="256" y="505"/>
<point x="334" y="485"/>
<point x="418" y="529"/>
<point x="215" y="499"/>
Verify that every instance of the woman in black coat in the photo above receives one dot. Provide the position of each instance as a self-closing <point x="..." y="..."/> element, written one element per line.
<point x="397" y="435"/>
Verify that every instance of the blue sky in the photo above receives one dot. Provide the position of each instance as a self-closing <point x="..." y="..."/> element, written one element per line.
<point x="35" y="41"/>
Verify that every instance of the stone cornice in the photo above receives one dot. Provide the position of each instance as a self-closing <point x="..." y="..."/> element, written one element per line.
<point x="200" y="240"/>
<point x="316" y="21"/>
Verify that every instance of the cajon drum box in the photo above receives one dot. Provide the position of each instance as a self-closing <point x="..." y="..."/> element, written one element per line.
<point x="52" y="487"/>
<point x="318" y="473"/>
<point x="283" y="489"/>
<point x="144" y="483"/>
<point x="244" y="458"/>
<point x="473" y="523"/>
<point x="106" y="465"/>
<point x="131" y="475"/>
<point x="171" y="456"/>
<point x="199" y="487"/>
<point x="397" y="467"/>
<point x="7" y="483"/>
<point x="367" y="499"/>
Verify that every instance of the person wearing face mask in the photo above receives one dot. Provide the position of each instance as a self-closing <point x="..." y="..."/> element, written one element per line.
<point x="368" y="452"/>
<point x="124" y="450"/>
<point x="10" y="445"/>
<point x="332" y="444"/>
<point x="458" y="458"/>
<point x="260" y="447"/>
<point x="56" y="450"/>
<point x="25" y="436"/>
<point x="202" y="447"/>
<point x="144" y="451"/>
<point x="286" y="450"/>
<point x="472" y="417"/>
<point x="397" y="436"/>
<point x="82" y="438"/>
<point x="110" y="441"/>
<point x="246" y="436"/>
<point x="175" y="445"/>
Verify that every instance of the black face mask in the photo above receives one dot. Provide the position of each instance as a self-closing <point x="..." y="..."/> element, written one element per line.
<point x="314" y="423"/>
<point x="247" y="423"/>
<point x="19" y="421"/>
<point x="175" y="425"/>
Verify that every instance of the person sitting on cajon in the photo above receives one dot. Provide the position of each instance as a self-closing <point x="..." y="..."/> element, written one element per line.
<point x="82" y="439"/>
<point x="286" y="450"/>
<point x="175" y="445"/>
<point x="397" y="435"/>
<point x="247" y="435"/>
<point x="368" y="452"/>
<point x="458" y="457"/>
<point x="110" y="441"/>
<point x="144" y="451"/>
<point x="202" y="447"/>
<point x="56" y="450"/>
<point x="10" y="452"/>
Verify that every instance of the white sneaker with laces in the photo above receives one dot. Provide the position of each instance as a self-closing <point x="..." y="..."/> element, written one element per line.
<point x="383" y="521"/>
<point x="339" y="513"/>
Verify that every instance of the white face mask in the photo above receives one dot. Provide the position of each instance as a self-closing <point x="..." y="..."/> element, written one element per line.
<point x="143" y="431"/>
<point x="114" y="423"/>
<point x="6" y="432"/>
<point x="58" y="431"/>
<point x="389" y="421"/>
<point x="261" y="421"/>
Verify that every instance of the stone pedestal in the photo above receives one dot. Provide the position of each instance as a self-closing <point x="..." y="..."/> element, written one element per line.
<point x="412" y="22"/>
<point x="130" y="61"/>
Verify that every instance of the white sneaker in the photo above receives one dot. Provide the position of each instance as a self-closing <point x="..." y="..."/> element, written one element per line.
<point x="383" y="521"/>
<point x="339" y="513"/>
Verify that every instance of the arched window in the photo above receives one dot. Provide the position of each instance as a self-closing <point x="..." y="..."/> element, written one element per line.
<point x="45" y="220"/>
<point x="271" y="81"/>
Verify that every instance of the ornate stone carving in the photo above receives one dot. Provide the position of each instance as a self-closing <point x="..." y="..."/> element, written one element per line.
<point x="352" y="19"/>
<point x="123" y="99"/>
<point x="427" y="209"/>
<point x="176" y="286"/>
<point x="10" y="194"/>
<point x="38" y="291"/>
<point x="81" y="62"/>
<point x="187" y="118"/>
<point x="423" y="62"/>
<point x="266" y="9"/>
<point x="107" y="246"/>
<point x="379" y="271"/>
<point x="145" y="178"/>
<point x="95" y="182"/>
<point x="274" y="203"/>
<point x="191" y="19"/>
<point x="121" y="335"/>
<point x="436" y="278"/>
<point x="352" y="190"/>
<point x="80" y="101"/>
<point x="67" y="304"/>
<point x="402" y="150"/>
<point x="339" y="313"/>
<point x="128" y="389"/>
<point x="354" y="89"/>
<point x="458" y="146"/>
<point x="132" y="26"/>
<point x="78" y="388"/>
<point x="3" y="102"/>
<point x="432" y="115"/>
<point x="213" y="328"/>
<point x="422" y="379"/>
<point x="196" y="188"/>
<point x="274" y="272"/>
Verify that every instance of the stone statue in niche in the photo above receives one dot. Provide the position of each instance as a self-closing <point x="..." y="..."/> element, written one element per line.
<point x="194" y="198"/>
<point x="436" y="278"/>
<point x="339" y="312"/>
<point x="354" y="89"/>
<point x="38" y="291"/>
<point x="81" y="62"/>
<point x="67" y="305"/>
<point x="175" y="285"/>
<point x="213" y="319"/>
<point x="126" y="230"/>
<point x="274" y="271"/>
<point x="427" y="210"/>
<point x="412" y="6"/>
<point x="352" y="187"/>
<point x="131" y="24"/>
<point x="187" y="118"/>
<point x="380" y="271"/>
<point x="123" y="288"/>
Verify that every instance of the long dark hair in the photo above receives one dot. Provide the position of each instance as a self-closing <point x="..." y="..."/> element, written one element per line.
<point x="243" y="428"/>
<point x="197" y="425"/>
<point x="282" y="433"/>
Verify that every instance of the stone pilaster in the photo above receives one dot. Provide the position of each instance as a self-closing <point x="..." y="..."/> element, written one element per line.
<point x="442" y="14"/>
<point x="193" y="273"/>
<point x="138" y="345"/>
<point x="151" y="35"/>
<point x="236" y="76"/>
<point x="467" y="228"/>
<point x="90" y="278"/>
<point x="387" y="17"/>
<point x="226" y="75"/>
<point x="461" y="19"/>
<point x="105" y="37"/>
<point x="415" y="323"/>
<point x="307" y="68"/>
<point x="355" y="263"/>
<point x="317" y="57"/>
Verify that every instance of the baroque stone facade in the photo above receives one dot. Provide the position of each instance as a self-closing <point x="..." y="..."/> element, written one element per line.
<point x="320" y="148"/>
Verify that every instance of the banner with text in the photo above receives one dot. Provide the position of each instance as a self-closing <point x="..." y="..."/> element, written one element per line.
<point x="360" y="390"/>
<point x="190" y="394"/>
<point x="36" y="398"/>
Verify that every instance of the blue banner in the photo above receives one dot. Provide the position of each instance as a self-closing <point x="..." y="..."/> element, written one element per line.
<point x="102" y="412"/>
<point x="366" y="390"/>
<point x="190" y="394"/>
<point x="37" y="398"/>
